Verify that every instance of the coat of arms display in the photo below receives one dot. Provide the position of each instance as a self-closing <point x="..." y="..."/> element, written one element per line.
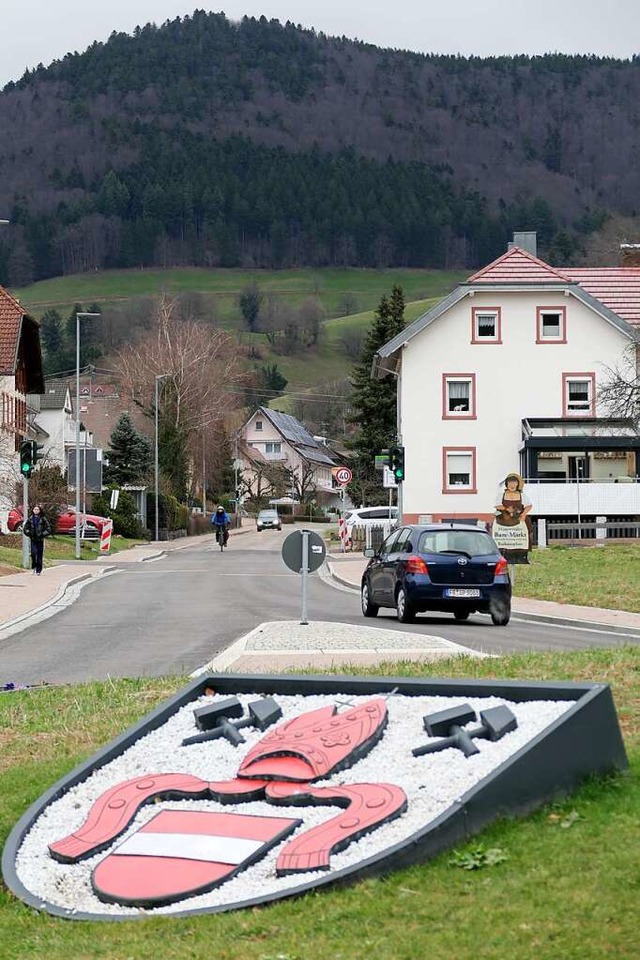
<point x="242" y="790"/>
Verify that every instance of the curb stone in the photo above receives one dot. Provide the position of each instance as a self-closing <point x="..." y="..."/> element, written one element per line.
<point x="48" y="603"/>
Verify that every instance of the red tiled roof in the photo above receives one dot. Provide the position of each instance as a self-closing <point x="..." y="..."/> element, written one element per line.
<point x="11" y="314"/>
<point x="616" y="287"/>
<point x="518" y="266"/>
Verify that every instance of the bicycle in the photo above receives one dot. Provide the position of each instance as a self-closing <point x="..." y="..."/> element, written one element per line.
<point x="221" y="537"/>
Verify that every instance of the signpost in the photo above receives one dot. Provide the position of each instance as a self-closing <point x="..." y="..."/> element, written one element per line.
<point x="303" y="551"/>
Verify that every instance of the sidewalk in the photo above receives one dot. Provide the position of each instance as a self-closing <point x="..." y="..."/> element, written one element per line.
<point x="347" y="569"/>
<point x="23" y="594"/>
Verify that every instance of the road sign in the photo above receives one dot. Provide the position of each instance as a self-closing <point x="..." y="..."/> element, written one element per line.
<point x="343" y="475"/>
<point x="388" y="479"/>
<point x="292" y="550"/>
<point x="303" y="552"/>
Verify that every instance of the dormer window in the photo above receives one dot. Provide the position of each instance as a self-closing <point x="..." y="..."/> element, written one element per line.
<point x="551" y="325"/>
<point x="486" y="325"/>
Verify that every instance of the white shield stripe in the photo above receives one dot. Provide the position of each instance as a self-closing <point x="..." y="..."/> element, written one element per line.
<point x="212" y="849"/>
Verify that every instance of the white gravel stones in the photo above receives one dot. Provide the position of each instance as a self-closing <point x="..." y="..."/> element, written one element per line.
<point x="328" y="637"/>
<point x="432" y="783"/>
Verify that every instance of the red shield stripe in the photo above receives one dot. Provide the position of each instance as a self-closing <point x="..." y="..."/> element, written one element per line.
<point x="180" y="854"/>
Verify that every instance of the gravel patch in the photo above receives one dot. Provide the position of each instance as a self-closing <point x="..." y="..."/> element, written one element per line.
<point x="432" y="784"/>
<point x="326" y="637"/>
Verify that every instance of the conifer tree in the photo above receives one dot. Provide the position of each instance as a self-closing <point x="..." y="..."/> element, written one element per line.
<point x="130" y="455"/>
<point x="374" y="401"/>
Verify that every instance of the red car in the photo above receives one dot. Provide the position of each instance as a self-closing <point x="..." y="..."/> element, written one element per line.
<point x="14" y="520"/>
<point x="66" y="522"/>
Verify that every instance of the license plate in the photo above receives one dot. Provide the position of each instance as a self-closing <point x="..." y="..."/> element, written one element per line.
<point x="459" y="592"/>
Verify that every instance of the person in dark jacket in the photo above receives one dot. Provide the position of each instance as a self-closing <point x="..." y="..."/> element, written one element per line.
<point x="37" y="528"/>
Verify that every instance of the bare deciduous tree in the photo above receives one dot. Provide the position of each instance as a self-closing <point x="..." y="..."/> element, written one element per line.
<point x="201" y="364"/>
<point x="620" y="393"/>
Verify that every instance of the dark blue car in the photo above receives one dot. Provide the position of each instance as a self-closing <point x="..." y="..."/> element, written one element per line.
<point x="445" y="566"/>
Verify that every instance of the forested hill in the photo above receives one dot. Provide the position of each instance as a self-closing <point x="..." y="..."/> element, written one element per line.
<point x="209" y="142"/>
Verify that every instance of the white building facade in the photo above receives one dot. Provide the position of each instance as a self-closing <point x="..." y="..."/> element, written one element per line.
<point x="502" y="376"/>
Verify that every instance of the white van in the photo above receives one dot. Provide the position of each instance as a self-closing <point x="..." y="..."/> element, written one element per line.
<point x="370" y="517"/>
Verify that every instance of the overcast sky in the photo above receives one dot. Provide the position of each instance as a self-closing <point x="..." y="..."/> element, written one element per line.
<point x="35" y="32"/>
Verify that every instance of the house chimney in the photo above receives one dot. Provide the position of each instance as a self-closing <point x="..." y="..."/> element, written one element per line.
<point x="630" y="254"/>
<point x="526" y="241"/>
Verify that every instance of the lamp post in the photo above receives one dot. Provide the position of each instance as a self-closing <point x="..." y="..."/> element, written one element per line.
<point x="159" y="378"/>
<point x="79" y="317"/>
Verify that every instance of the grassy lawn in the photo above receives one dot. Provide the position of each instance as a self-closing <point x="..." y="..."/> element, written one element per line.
<point x="591" y="576"/>
<point x="59" y="548"/>
<point x="329" y="285"/>
<point x="567" y="886"/>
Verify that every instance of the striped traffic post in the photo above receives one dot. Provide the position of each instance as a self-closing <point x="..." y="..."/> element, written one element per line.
<point x="105" y="537"/>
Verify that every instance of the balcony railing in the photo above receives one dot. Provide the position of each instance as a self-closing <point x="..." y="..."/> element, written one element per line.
<point x="594" y="497"/>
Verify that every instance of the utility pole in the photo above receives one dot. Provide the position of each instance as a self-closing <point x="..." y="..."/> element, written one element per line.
<point x="159" y="377"/>
<point x="204" y="474"/>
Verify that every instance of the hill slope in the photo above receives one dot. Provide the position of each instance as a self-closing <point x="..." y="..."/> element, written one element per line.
<point x="205" y="142"/>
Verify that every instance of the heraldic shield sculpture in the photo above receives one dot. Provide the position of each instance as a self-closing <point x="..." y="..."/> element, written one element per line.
<point x="241" y="790"/>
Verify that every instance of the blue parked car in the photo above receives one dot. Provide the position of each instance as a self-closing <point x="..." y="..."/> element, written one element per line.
<point x="445" y="566"/>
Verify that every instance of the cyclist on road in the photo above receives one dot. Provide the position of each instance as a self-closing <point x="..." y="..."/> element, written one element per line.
<point x="221" y="520"/>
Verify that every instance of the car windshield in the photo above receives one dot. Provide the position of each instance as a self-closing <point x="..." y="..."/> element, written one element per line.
<point x="268" y="515"/>
<point x="470" y="543"/>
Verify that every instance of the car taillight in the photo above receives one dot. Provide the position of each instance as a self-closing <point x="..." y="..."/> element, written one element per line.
<point x="416" y="565"/>
<point x="502" y="567"/>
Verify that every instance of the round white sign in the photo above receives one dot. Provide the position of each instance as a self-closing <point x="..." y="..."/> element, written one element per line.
<point x="344" y="475"/>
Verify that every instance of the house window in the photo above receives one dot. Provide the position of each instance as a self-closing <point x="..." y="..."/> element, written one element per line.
<point x="458" y="396"/>
<point x="258" y="424"/>
<point x="486" y="325"/>
<point x="272" y="447"/>
<point x="551" y="325"/>
<point x="578" y="394"/>
<point x="459" y="470"/>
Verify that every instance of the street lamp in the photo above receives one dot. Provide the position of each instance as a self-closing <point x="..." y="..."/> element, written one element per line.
<point x="159" y="378"/>
<point x="79" y="316"/>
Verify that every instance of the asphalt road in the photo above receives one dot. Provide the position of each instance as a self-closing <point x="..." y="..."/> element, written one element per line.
<point x="173" y="615"/>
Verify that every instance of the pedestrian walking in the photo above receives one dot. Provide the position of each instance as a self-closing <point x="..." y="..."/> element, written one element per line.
<point x="37" y="528"/>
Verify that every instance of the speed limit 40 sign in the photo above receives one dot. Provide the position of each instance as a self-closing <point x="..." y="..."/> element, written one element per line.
<point x="343" y="475"/>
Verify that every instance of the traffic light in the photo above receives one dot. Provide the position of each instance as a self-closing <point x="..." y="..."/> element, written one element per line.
<point x="397" y="463"/>
<point x="37" y="454"/>
<point x="26" y="458"/>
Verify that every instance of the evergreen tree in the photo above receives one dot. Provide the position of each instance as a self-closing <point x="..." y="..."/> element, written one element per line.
<point x="272" y="378"/>
<point x="173" y="455"/>
<point x="50" y="332"/>
<point x="130" y="454"/>
<point x="250" y="301"/>
<point x="374" y="401"/>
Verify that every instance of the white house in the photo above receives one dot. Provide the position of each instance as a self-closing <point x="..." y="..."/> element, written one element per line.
<point x="503" y="375"/>
<point x="20" y="373"/>
<point x="56" y="421"/>
<point x="270" y="438"/>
